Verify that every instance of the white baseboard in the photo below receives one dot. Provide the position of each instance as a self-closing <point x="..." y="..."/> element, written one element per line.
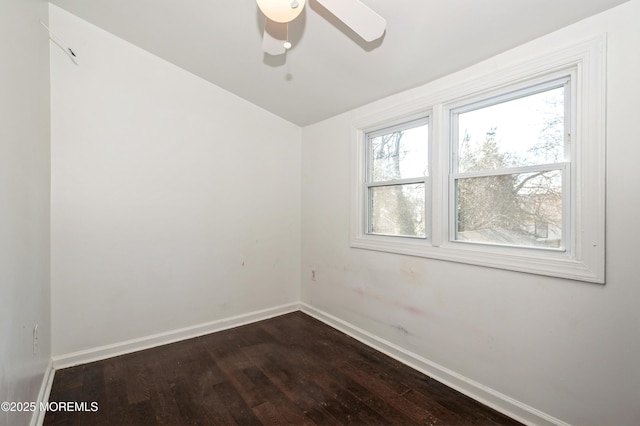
<point x="37" y="417"/>
<point x="133" y="345"/>
<point x="490" y="397"/>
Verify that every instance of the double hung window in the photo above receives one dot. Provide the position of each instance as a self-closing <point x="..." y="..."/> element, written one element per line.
<point x="505" y="171"/>
<point x="397" y="179"/>
<point x="510" y="179"/>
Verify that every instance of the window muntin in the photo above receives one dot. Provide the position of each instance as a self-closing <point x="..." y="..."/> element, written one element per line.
<point x="396" y="179"/>
<point x="510" y="172"/>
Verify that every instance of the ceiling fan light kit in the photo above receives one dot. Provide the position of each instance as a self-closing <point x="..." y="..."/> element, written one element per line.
<point x="356" y="15"/>
<point x="281" y="11"/>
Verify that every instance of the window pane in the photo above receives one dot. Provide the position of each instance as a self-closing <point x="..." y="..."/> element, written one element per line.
<point x="397" y="210"/>
<point x="400" y="154"/>
<point x="514" y="209"/>
<point x="521" y="132"/>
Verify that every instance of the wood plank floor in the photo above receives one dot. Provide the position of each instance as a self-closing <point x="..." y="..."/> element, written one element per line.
<point x="291" y="369"/>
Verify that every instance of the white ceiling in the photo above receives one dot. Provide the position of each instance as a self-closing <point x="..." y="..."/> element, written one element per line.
<point x="328" y="70"/>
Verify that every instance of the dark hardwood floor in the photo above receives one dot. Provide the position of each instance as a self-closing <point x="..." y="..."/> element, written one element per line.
<point x="291" y="369"/>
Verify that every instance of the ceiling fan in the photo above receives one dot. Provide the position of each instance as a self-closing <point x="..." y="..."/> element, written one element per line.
<point x="353" y="13"/>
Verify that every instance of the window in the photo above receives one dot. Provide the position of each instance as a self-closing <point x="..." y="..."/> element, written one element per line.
<point x="396" y="180"/>
<point x="511" y="168"/>
<point x="504" y="171"/>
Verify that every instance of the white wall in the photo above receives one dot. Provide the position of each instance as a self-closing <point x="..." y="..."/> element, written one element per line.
<point x="174" y="203"/>
<point x="566" y="348"/>
<point x="24" y="203"/>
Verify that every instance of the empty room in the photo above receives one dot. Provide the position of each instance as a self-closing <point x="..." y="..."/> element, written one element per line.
<point x="319" y="212"/>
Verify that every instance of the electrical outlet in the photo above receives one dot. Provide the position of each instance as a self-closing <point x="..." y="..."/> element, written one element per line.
<point x="313" y="274"/>
<point x="35" y="339"/>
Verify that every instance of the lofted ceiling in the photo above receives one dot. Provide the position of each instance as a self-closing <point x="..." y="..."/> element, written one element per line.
<point x="329" y="70"/>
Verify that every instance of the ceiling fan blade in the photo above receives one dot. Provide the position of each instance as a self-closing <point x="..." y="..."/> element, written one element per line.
<point x="357" y="16"/>
<point x="275" y="34"/>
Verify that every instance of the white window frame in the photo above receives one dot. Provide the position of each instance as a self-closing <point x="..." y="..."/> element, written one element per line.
<point x="583" y="258"/>
<point x="425" y="180"/>
<point x="521" y="90"/>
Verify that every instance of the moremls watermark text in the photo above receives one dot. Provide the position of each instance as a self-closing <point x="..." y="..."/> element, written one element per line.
<point x="86" y="406"/>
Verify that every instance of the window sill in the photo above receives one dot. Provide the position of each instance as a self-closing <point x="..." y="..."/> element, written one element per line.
<point x="551" y="263"/>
